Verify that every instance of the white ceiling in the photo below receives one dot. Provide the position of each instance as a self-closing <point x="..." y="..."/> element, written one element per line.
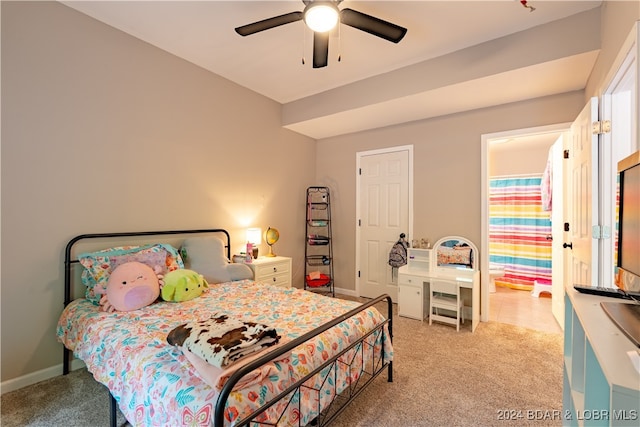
<point x="270" y="62"/>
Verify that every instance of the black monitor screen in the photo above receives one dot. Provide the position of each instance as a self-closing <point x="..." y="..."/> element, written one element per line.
<point x="629" y="244"/>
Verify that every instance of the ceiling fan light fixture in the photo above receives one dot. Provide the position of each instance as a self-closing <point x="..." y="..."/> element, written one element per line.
<point x="321" y="17"/>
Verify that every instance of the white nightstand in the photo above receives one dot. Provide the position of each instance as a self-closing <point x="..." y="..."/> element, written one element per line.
<point x="273" y="270"/>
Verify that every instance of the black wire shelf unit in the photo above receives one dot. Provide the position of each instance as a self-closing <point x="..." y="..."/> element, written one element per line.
<point x="318" y="251"/>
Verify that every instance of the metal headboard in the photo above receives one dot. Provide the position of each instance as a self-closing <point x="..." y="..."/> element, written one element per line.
<point x="69" y="259"/>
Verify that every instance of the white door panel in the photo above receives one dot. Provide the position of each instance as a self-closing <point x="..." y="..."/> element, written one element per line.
<point x="384" y="214"/>
<point x="557" y="231"/>
<point x="583" y="188"/>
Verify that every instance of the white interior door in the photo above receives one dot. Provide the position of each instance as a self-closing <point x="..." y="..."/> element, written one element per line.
<point x="582" y="189"/>
<point x="557" y="231"/>
<point x="383" y="194"/>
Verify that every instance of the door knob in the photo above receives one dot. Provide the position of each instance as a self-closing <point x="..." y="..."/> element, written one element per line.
<point x="567" y="245"/>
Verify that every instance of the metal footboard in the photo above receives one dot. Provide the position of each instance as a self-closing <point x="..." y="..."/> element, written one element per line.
<point x="340" y="400"/>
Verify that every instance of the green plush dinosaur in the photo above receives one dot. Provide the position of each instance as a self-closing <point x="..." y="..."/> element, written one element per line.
<point x="182" y="285"/>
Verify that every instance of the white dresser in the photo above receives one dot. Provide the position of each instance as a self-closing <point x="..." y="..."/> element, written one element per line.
<point x="273" y="270"/>
<point x="422" y="268"/>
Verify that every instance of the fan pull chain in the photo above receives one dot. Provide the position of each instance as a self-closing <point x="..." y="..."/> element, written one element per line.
<point x="339" y="42"/>
<point x="304" y="41"/>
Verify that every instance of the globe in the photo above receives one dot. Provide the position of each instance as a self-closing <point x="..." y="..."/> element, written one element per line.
<point x="271" y="236"/>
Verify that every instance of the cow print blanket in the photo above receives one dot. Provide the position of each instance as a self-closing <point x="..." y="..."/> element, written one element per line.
<point x="220" y="340"/>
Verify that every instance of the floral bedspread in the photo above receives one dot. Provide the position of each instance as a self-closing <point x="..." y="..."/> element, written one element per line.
<point x="155" y="384"/>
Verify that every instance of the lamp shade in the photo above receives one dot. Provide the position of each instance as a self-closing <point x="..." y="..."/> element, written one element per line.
<point x="254" y="236"/>
<point x="321" y="17"/>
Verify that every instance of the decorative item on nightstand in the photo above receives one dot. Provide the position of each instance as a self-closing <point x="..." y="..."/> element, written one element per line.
<point x="254" y="237"/>
<point x="249" y="252"/>
<point x="271" y="236"/>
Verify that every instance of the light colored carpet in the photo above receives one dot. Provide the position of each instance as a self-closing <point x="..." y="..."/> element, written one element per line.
<point x="441" y="377"/>
<point x="444" y="378"/>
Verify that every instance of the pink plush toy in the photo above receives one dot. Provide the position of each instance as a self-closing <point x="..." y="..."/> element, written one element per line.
<point x="131" y="286"/>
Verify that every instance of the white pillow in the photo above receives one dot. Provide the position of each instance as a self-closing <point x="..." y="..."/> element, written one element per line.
<point x="207" y="255"/>
<point x="239" y="271"/>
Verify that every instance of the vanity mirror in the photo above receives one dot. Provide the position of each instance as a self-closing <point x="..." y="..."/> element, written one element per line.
<point x="455" y="252"/>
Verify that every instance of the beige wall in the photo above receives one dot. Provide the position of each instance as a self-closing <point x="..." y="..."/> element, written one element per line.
<point x="102" y="132"/>
<point x="520" y="156"/>
<point x="445" y="146"/>
<point x="616" y="21"/>
<point x="446" y="169"/>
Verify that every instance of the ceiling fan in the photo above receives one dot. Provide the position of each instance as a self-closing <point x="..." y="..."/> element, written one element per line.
<point x="328" y="15"/>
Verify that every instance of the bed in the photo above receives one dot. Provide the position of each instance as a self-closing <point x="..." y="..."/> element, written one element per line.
<point x="329" y="350"/>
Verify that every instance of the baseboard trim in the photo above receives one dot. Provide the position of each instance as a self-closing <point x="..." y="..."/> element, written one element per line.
<point x="349" y="292"/>
<point x="35" y="377"/>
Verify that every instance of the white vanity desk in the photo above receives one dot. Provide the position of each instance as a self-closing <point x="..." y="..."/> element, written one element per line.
<point x="423" y="268"/>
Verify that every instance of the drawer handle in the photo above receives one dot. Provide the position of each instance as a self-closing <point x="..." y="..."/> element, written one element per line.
<point x="275" y="269"/>
<point x="409" y="280"/>
<point x="274" y="279"/>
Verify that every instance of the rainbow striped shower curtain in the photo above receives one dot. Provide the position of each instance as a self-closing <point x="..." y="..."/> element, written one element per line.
<point x="518" y="231"/>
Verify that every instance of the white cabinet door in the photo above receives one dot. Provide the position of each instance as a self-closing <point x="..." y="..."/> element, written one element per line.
<point x="410" y="301"/>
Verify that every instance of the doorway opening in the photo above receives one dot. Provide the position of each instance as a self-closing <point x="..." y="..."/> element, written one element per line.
<point x="516" y="243"/>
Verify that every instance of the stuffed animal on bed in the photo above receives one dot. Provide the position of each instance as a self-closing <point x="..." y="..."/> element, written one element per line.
<point x="183" y="285"/>
<point x="131" y="286"/>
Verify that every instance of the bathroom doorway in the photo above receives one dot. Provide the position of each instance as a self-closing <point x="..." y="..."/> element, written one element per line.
<point x="513" y="162"/>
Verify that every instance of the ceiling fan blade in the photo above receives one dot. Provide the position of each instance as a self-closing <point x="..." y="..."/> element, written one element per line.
<point x="372" y="25"/>
<point x="269" y="23"/>
<point x="320" y="49"/>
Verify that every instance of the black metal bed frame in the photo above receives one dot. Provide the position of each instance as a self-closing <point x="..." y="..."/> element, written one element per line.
<point x="368" y="371"/>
